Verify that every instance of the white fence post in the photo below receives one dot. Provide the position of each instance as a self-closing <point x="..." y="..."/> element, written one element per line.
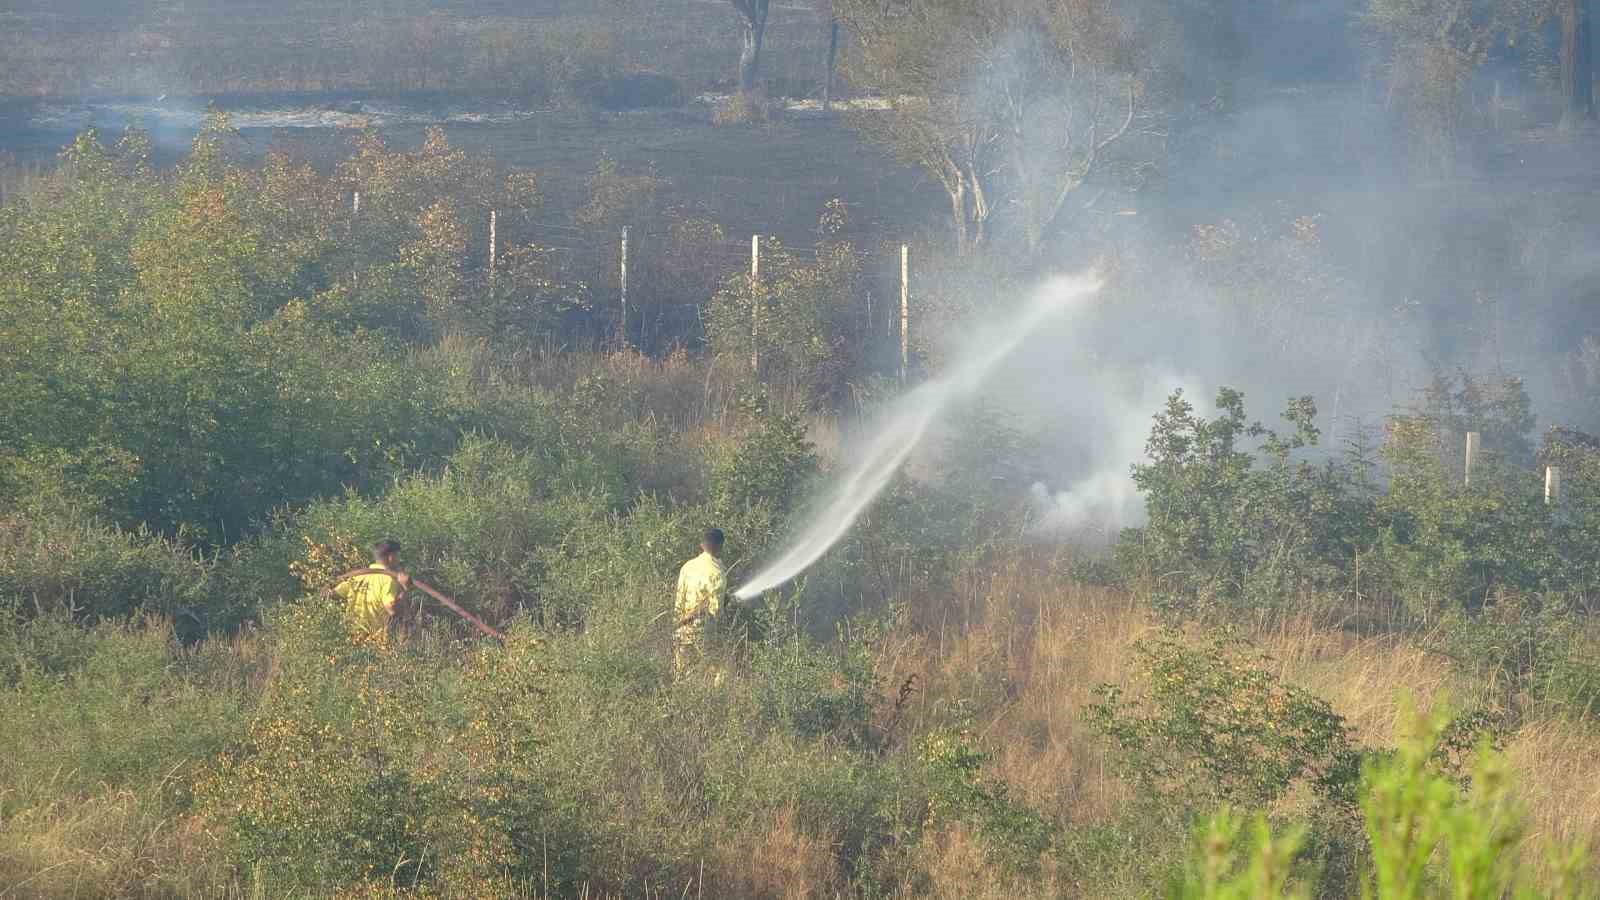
<point x="622" y="280"/>
<point x="905" y="312"/>
<point x="1472" y="456"/>
<point x="494" y="225"/>
<point x="755" y="304"/>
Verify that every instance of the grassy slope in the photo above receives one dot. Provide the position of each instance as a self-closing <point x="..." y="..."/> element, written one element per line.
<point x="1025" y="649"/>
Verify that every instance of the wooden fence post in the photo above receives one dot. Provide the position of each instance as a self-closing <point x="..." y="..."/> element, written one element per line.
<point x="905" y="312"/>
<point x="494" y="226"/>
<point x="755" y="304"/>
<point x="1472" y="456"/>
<point x="622" y="281"/>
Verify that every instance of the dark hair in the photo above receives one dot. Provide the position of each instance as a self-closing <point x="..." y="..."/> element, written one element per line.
<point x="712" y="538"/>
<point x="384" y="548"/>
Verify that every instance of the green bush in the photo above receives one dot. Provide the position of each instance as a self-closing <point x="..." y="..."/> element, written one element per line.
<point x="1531" y="649"/>
<point x="811" y="690"/>
<point x="1427" y="837"/>
<point x="1225" y="536"/>
<point x="796" y="324"/>
<point x="57" y="562"/>
<point x="117" y="707"/>
<point x="1417" y="819"/>
<point x="1448" y="545"/>
<point x="1211" y="723"/>
<point x="366" y="765"/>
<point x="1016" y="836"/>
<point x="771" y="463"/>
<point x="1238" y="859"/>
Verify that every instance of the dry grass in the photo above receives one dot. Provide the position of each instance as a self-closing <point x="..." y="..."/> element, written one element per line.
<point x="1027" y="649"/>
<point x="677" y="391"/>
<point x="1557" y="765"/>
<point x="1031" y="648"/>
<point x="1364" y="677"/>
<point x="774" y="861"/>
<point x="110" y="845"/>
<point x="1022" y="647"/>
<point x="956" y="866"/>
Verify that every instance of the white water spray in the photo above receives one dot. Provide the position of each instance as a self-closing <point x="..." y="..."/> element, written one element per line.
<point x="905" y="427"/>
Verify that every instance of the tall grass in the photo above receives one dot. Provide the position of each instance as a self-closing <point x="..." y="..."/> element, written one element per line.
<point x="100" y="752"/>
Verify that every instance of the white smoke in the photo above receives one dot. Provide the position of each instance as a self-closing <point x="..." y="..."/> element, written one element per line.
<point x="1117" y="410"/>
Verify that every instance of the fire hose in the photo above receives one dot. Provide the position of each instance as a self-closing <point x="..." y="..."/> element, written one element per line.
<point x="428" y="589"/>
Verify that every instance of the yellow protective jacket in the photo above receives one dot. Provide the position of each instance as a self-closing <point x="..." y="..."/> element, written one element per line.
<point x="701" y="584"/>
<point x="369" y="601"/>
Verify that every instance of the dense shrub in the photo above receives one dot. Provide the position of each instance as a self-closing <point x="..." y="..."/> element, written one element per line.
<point x="771" y="463"/>
<point x="1211" y="723"/>
<point x="810" y="690"/>
<point x="1427" y="837"/>
<point x="795" y="326"/>
<point x="116" y="707"/>
<point x="362" y="764"/>
<point x="1449" y="545"/>
<point x="59" y="562"/>
<point x="1014" y="835"/>
<point x="1535" y="652"/>
<point x="1229" y="535"/>
<point x="1226" y="536"/>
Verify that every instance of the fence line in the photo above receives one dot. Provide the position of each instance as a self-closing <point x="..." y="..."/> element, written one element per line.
<point x="1473" y="449"/>
<point x="630" y="254"/>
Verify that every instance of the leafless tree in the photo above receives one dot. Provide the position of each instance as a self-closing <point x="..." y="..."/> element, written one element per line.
<point x="1428" y="51"/>
<point x="1011" y="104"/>
<point x="753" y="16"/>
<point x="1577" y="63"/>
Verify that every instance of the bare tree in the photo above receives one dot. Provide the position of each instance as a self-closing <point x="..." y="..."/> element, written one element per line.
<point x="1577" y="63"/>
<point x="831" y="65"/>
<point x="753" y="16"/>
<point x="1428" y="51"/>
<point x="1011" y="104"/>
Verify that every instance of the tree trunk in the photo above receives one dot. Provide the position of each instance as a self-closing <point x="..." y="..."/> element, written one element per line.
<point x="958" y="215"/>
<point x="980" y="212"/>
<point x="833" y="58"/>
<point x="755" y="34"/>
<point x="1577" y="64"/>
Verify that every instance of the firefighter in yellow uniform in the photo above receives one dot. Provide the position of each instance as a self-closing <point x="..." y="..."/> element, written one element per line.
<point x="369" y="599"/>
<point x="702" y="584"/>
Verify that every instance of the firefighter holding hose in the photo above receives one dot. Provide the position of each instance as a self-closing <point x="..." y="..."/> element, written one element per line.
<point x="702" y="586"/>
<point x="370" y="598"/>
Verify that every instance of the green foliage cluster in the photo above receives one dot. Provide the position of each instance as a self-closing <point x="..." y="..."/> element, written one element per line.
<point x="169" y="357"/>
<point x="57" y="562"/>
<point x="1214" y="725"/>
<point x="794" y="327"/>
<point x="1225" y="535"/>
<point x="1249" y="532"/>
<point x="773" y="462"/>
<point x="115" y="723"/>
<point x="1427" y="837"/>
<point x="1018" y="837"/>
<point x="367" y="765"/>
